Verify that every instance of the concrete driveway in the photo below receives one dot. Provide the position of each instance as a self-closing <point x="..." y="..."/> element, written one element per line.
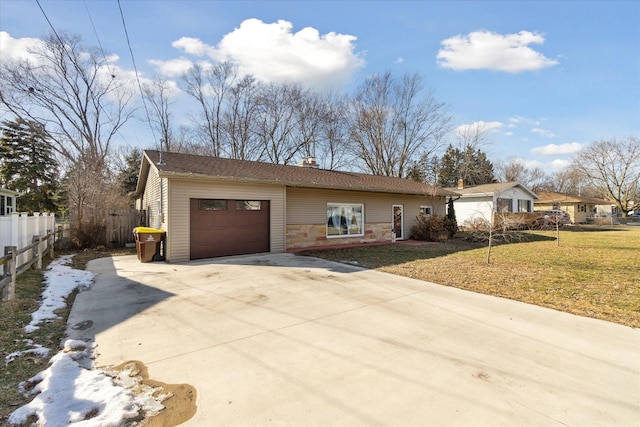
<point x="290" y="340"/>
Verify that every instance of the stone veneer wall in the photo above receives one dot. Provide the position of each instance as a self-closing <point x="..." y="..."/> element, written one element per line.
<point x="310" y="235"/>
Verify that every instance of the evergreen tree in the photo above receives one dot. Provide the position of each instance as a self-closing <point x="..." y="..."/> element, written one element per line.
<point x="28" y="166"/>
<point x="128" y="173"/>
<point x="471" y="165"/>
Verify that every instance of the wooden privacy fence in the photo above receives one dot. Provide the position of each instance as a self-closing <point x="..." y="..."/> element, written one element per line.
<point x="12" y="266"/>
<point x="120" y="225"/>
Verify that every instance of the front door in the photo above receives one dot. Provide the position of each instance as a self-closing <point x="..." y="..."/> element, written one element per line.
<point x="397" y="222"/>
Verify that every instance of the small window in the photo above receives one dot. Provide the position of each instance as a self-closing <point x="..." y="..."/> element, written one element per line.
<point x="345" y="220"/>
<point x="213" y="205"/>
<point x="504" y="205"/>
<point x="524" y="205"/>
<point x="426" y="211"/>
<point x="248" y="205"/>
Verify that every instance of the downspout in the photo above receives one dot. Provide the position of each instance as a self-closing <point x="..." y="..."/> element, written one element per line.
<point x="160" y="219"/>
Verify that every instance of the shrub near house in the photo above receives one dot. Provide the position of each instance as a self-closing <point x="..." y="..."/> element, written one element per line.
<point x="433" y="228"/>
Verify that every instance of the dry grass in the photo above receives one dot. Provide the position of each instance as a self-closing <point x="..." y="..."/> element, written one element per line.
<point x="595" y="272"/>
<point x="16" y="314"/>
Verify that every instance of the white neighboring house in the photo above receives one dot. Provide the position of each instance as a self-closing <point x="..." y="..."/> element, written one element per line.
<point x="479" y="202"/>
<point x="7" y="202"/>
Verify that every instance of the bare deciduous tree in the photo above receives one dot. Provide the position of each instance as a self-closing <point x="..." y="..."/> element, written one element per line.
<point x="613" y="168"/>
<point x="533" y="178"/>
<point x="277" y="122"/>
<point x="392" y="122"/>
<point x="71" y="91"/>
<point x="209" y="85"/>
<point x="334" y="134"/>
<point x="158" y="101"/>
<point x="240" y="120"/>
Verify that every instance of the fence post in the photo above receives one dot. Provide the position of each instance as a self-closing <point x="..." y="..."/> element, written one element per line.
<point x="58" y="239"/>
<point x="37" y="252"/>
<point x="50" y="241"/>
<point x="9" y="291"/>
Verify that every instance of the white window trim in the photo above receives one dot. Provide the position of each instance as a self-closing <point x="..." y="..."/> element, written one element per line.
<point x="340" y="236"/>
<point x="422" y="207"/>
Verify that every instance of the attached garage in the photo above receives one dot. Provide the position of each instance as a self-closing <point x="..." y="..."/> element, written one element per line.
<point x="223" y="227"/>
<point x="212" y="207"/>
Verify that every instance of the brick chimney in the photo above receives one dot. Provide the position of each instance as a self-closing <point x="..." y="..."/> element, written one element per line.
<point x="308" y="162"/>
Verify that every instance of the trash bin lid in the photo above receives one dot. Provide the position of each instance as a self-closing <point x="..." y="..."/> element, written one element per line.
<point x="147" y="230"/>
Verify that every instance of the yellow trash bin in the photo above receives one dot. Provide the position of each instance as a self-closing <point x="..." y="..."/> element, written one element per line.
<point x="149" y="243"/>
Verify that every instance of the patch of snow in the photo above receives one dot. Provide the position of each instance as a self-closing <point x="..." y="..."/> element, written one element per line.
<point x="60" y="281"/>
<point x="37" y="349"/>
<point x="68" y="394"/>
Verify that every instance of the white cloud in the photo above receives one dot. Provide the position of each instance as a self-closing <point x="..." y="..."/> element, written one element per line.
<point x="173" y="67"/>
<point x="194" y="46"/>
<point x="479" y="127"/>
<point x="273" y="52"/>
<point x="545" y="133"/>
<point x="552" y="166"/>
<point x="20" y="49"/>
<point x="399" y="60"/>
<point x="17" y="49"/>
<point x="485" y="50"/>
<point x="558" y="150"/>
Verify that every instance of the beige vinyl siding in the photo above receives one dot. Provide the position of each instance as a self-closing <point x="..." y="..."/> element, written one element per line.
<point x="178" y="212"/>
<point x="152" y="196"/>
<point x="309" y="206"/>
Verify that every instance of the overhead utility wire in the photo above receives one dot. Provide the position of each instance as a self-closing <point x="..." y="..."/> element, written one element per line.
<point x="75" y="64"/>
<point x="104" y="55"/>
<point x="135" y="69"/>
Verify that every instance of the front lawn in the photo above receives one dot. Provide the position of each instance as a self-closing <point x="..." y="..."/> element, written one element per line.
<point x="595" y="272"/>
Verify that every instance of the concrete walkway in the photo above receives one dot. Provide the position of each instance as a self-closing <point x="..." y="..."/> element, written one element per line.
<point x="290" y="340"/>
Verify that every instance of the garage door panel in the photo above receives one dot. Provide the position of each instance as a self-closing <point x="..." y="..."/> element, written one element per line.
<point x="226" y="232"/>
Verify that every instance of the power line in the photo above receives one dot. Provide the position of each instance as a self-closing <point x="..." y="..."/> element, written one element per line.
<point x="111" y="69"/>
<point x="63" y="46"/>
<point x="135" y="69"/>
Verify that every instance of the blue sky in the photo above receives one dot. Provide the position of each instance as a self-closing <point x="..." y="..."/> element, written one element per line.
<point x="545" y="78"/>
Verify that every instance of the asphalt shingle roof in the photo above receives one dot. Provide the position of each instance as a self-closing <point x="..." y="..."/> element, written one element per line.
<point x="189" y="165"/>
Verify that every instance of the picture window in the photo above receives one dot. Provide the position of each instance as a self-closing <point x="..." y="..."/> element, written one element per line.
<point x="345" y="220"/>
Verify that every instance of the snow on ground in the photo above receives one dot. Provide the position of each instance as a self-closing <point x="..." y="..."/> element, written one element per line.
<point x="60" y="281"/>
<point x="69" y="392"/>
<point x="37" y="349"/>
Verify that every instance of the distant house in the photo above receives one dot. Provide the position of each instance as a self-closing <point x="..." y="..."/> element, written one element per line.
<point x="579" y="208"/>
<point x="7" y="202"/>
<point x="212" y="206"/>
<point x="480" y="202"/>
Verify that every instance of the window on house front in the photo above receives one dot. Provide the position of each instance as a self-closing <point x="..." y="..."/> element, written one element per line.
<point x="504" y="205"/>
<point x="344" y="220"/>
<point x="426" y="211"/>
<point x="212" y="205"/>
<point x="524" y="206"/>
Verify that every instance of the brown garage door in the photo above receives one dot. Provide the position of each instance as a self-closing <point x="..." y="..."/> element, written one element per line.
<point x="221" y="227"/>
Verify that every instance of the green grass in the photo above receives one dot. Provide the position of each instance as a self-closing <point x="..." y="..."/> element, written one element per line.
<point x="16" y="314"/>
<point x="594" y="272"/>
